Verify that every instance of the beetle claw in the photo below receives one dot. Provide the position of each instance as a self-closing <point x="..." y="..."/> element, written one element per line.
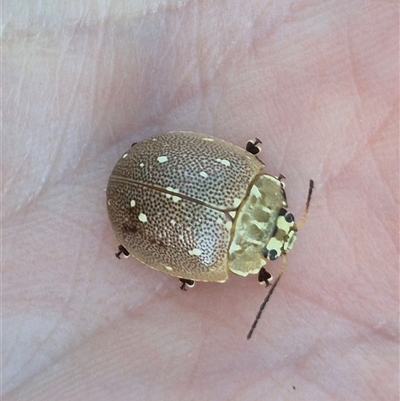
<point x="252" y="147"/>
<point x="122" y="250"/>
<point x="185" y="282"/>
<point x="265" y="277"/>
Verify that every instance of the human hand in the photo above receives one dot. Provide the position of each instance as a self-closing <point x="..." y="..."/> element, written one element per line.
<point x="315" y="82"/>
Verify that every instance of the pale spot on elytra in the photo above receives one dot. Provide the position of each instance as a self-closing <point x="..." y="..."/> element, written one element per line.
<point x="195" y="252"/>
<point x="162" y="159"/>
<point x="142" y="217"/>
<point x="236" y="202"/>
<point x="255" y="191"/>
<point x="224" y="162"/>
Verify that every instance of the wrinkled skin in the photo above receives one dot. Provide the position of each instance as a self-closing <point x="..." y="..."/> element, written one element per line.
<point x="317" y="82"/>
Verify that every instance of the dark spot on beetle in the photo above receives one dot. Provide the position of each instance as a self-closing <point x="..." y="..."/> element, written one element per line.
<point x="157" y="242"/>
<point x="272" y="254"/>
<point x="289" y="217"/>
<point x="129" y="229"/>
<point x="133" y="144"/>
<point x="282" y="212"/>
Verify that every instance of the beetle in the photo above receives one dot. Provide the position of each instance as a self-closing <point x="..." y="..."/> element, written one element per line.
<point x="196" y="207"/>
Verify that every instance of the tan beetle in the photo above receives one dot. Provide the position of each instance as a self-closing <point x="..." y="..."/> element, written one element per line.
<point x="196" y="207"/>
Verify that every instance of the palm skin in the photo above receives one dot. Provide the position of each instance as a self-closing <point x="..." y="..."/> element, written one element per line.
<point x="317" y="83"/>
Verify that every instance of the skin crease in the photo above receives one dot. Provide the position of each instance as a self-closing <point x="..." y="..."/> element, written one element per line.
<point x="316" y="82"/>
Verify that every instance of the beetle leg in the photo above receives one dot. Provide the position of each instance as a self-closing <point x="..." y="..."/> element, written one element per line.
<point x="264" y="277"/>
<point x="185" y="282"/>
<point x="122" y="250"/>
<point x="252" y="147"/>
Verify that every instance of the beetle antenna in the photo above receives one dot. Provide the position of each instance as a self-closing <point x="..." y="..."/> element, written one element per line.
<point x="266" y="299"/>
<point x="304" y="217"/>
<point x="262" y="306"/>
